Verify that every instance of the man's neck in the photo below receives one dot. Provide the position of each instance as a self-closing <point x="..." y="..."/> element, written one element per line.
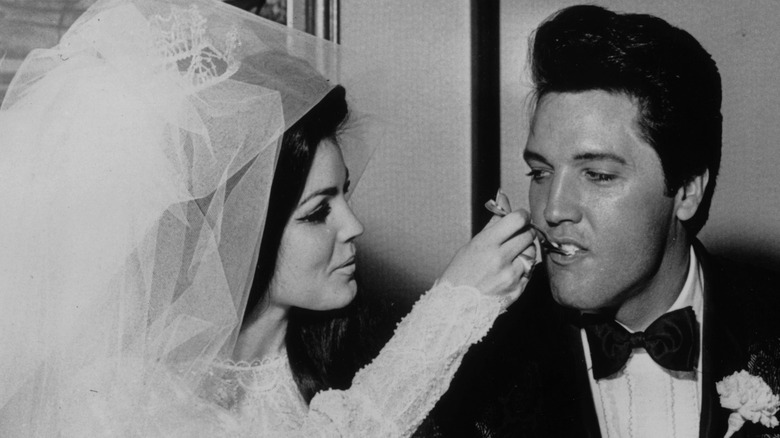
<point x="660" y="292"/>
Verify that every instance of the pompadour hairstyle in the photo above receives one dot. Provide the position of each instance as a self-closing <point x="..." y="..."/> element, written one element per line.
<point x="670" y="76"/>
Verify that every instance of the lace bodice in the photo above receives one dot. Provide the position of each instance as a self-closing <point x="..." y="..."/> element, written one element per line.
<point x="388" y="398"/>
<point x="262" y="395"/>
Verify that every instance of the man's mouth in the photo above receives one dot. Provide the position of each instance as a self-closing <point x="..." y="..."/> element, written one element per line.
<point x="564" y="247"/>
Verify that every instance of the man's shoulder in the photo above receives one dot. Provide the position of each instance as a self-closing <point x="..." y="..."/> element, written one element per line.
<point x="521" y="380"/>
<point x="735" y="280"/>
<point x="534" y="322"/>
<point x="746" y="295"/>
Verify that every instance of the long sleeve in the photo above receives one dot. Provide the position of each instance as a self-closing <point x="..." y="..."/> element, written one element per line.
<point x="388" y="398"/>
<point x="392" y="396"/>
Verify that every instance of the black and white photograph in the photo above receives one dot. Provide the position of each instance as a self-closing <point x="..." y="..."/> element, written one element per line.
<point x="374" y="218"/>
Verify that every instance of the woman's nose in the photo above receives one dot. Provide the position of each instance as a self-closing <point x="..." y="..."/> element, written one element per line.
<point x="351" y="227"/>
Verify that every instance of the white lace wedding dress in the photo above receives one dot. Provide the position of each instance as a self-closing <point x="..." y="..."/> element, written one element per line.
<point x="138" y="156"/>
<point x="388" y="398"/>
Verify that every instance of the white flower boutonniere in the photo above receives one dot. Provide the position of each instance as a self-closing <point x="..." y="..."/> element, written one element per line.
<point x="750" y="398"/>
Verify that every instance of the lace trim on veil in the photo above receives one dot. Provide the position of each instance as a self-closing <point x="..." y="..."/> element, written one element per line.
<point x="184" y="44"/>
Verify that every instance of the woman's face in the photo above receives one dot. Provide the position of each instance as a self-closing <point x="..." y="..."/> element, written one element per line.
<point x="315" y="269"/>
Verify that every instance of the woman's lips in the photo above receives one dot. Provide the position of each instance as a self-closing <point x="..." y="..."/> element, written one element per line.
<point x="348" y="266"/>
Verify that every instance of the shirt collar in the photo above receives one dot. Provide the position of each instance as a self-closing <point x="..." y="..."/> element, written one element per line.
<point x="692" y="291"/>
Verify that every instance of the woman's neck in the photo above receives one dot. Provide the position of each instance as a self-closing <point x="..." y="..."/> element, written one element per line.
<point x="263" y="335"/>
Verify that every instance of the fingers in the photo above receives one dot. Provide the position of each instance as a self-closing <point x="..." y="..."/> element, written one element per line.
<point x="502" y="200"/>
<point x="505" y="228"/>
<point x="493" y="220"/>
<point x="526" y="261"/>
<point x="498" y="260"/>
<point x="500" y="207"/>
<point x="522" y="267"/>
<point x="517" y="244"/>
<point x="525" y="264"/>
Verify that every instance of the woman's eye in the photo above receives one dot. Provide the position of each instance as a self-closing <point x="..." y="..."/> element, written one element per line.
<point x="319" y="215"/>
<point x="599" y="177"/>
<point x="537" y="174"/>
<point x="346" y="186"/>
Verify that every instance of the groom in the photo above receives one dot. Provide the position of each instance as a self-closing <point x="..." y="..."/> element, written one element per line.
<point x="626" y="330"/>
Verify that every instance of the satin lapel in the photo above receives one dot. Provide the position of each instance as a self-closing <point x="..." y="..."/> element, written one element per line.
<point x="590" y="421"/>
<point x="566" y="398"/>
<point x="722" y="351"/>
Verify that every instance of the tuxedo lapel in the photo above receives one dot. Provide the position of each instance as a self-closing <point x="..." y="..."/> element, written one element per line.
<point x="722" y="348"/>
<point x="590" y="421"/>
<point x="555" y="359"/>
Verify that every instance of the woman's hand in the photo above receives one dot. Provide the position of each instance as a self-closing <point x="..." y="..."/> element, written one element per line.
<point x="497" y="261"/>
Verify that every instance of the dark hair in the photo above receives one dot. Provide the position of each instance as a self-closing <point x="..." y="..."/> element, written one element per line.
<point x="316" y="341"/>
<point x="674" y="81"/>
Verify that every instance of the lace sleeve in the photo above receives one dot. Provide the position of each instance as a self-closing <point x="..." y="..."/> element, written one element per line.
<point x="392" y="396"/>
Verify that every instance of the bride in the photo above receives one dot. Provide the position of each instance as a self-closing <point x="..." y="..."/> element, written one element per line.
<point x="175" y="195"/>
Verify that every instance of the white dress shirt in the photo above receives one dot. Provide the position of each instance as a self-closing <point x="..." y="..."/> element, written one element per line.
<point x="645" y="400"/>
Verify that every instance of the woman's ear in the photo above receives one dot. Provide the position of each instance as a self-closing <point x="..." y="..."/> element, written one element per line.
<point x="690" y="195"/>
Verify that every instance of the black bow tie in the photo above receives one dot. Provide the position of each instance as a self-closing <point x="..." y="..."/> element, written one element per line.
<point x="672" y="341"/>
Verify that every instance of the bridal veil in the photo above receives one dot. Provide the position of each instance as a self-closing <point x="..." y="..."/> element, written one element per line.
<point x="137" y="160"/>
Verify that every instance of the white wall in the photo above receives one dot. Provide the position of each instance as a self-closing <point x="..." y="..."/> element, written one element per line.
<point x="744" y="39"/>
<point x="414" y="197"/>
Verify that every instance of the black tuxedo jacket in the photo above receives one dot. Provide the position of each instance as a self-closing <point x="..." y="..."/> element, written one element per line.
<point x="527" y="378"/>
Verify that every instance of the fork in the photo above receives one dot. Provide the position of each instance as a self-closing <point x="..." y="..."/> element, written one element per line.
<point x="547" y="243"/>
<point x="545" y="240"/>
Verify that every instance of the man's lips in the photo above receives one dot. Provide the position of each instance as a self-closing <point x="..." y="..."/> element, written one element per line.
<point x="569" y="245"/>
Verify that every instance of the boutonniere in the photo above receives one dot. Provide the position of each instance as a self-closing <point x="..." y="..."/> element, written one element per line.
<point x="750" y="399"/>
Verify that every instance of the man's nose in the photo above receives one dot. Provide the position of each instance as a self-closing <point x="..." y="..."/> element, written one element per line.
<point x="563" y="200"/>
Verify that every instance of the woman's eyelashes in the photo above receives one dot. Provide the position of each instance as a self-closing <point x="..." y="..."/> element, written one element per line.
<point x="319" y="214"/>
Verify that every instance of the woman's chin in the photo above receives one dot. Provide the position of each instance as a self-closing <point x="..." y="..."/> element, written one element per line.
<point x="347" y="294"/>
<point x="338" y="297"/>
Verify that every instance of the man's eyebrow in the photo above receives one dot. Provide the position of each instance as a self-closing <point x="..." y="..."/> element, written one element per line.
<point x="327" y="191"/>
<point x="530" y="155"/>
<point x="585" y="156"/>
<point x="600" y="156"/>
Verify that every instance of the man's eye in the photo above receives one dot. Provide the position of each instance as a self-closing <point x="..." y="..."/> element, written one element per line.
<point x="599" y="177"/>
<point x="319" y="215"/>
<point x="537" y="174"/>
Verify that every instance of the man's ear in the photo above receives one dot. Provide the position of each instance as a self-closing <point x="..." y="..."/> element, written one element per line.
<point x="690" y="195"/>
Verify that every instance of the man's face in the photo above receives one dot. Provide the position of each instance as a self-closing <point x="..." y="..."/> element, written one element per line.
<point x="598" y="187"/>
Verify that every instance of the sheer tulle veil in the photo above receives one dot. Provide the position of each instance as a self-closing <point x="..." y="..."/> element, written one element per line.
<point x="137" y="160"/>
